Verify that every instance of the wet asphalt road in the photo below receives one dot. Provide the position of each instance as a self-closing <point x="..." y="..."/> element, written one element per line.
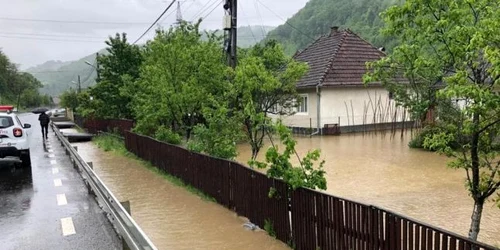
<point x="48" y="206"/>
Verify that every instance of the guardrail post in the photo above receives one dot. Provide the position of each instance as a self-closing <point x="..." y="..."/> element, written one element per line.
<point x="76" y="148"/>
<point x="126" y="206"/>
<point x="91" y="165"/>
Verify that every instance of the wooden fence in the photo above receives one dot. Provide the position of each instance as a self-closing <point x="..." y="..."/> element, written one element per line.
<point x="95" y="126"/>
<point x="305" y="219"/>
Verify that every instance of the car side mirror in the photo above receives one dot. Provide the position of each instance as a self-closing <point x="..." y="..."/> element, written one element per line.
<point x="27" y="125"/>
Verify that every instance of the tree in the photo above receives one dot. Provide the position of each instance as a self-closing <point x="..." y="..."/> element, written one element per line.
<point x="264" y="83"/>
<point x="16" y="87"/>
<point x="279" y="166"/>
<point x="69" y="99"/>
<point x="455" y="43"/>
<point x="180" y="76"/>
<point x="116" y="69"/>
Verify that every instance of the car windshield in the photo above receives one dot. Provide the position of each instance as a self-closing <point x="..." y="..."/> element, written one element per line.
<point x="6" y="121"/>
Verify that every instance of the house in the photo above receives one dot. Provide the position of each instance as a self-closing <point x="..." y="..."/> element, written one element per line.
<point x="332" y="93"/>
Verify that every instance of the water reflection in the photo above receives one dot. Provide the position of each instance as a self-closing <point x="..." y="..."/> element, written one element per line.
<point x="16" y="191"/>
<point x="383" y="171"/>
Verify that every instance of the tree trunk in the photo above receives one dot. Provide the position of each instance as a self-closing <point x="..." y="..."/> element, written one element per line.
<point x="18" y="101"/>
<point x="255" y="152"/>
<point x="476" y="219"/>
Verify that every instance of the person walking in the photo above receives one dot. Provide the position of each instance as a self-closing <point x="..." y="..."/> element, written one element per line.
<point x="44" y="123"/>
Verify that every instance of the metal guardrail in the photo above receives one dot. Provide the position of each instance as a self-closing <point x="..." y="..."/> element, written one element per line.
<point x="125" y="226"/>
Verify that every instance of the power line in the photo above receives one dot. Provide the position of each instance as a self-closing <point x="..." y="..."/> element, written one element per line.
<point x="50" y="39"/>
<point x="200" y="11"/>
<point x="69" y="21"/>
<point x="209" y="5"/>
<point x="249" y="26"/>
<point x="157" y="19"/>
<point x="260" y="16"/>
<point x="282" y="19"/>
<point x="216" y="6"/>
<point x="49" y="35"/>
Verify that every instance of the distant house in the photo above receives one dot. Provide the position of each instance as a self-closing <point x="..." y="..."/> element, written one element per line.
<point x="332" y="93"/>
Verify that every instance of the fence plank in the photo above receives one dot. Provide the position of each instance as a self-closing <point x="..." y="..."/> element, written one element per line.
<point x="317" y="219"/>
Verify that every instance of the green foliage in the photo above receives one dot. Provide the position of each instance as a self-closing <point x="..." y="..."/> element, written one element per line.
<point x="452" y="45"/>
<point x="264" y="79"/>
<point x="269" y="228"/>
<point x="69" y="99"/>
<point x="56" y="76"/>
<point x="316" y="18"/>
<point x="165" y="134"/>
<point x="279" y="166"/>
<point x="180" y="75"/>
<point x="19" y="88"/>
<point x="117" y="69"/>
<point x="219" y="136"/>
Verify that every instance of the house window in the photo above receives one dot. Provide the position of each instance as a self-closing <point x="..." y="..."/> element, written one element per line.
<point x="303" y="104"/>
<point x="274" y="109"/>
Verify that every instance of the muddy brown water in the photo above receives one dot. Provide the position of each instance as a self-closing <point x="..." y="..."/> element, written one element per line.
<point x="382" y="171"/>
<point x="172" y="217"/>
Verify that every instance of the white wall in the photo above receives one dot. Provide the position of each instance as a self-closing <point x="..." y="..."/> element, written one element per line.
<point x="350" y="106"/>
<point x="304" y="119"/>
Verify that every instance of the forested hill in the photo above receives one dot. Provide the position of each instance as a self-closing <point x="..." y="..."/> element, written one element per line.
<point x="316" y="18"/>
<point x="59" y="76"/>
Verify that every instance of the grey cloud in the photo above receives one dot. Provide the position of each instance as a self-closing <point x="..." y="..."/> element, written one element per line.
<point x="134" y="17"/>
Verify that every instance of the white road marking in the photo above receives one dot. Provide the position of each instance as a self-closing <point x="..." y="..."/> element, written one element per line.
<point x="57" y="182"/>
<point x="61" y="200"/>
<point x="51" y="156"/>
<point x="53" y="162"/>
<point x="51" y="151"/>
<point x="55" y="170"/>
<point x="67" y="226"/>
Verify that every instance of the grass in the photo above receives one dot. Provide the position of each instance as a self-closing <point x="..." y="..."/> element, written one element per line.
<point x="113" y="144"/>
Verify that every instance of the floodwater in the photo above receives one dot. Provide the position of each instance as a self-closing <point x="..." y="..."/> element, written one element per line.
<point x="382" y="171"/>
<point x="172" y="217"/>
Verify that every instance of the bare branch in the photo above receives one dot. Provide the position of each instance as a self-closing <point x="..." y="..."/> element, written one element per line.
<point x="488" y="126"/>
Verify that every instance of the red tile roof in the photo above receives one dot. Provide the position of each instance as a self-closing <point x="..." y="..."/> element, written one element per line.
<point x="337" y="59"/>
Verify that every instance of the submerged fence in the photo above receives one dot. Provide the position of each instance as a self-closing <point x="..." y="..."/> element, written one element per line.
<point x="304" y="219"/>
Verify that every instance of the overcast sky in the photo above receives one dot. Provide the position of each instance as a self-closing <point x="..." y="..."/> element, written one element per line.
<point x="35" y="31"/>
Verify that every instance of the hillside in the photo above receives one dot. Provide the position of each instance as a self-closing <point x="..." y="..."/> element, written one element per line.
<point x="316" y="18"/>
<point x="57" y="76"/>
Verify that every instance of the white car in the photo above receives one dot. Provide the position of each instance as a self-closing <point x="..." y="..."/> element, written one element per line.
<point x="14" y="141"/>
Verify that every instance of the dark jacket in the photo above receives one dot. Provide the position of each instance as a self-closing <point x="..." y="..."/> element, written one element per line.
<point x="44" y="119"/>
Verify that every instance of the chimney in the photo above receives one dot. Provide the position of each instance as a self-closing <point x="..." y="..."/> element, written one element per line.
<point x="334" y="29"/>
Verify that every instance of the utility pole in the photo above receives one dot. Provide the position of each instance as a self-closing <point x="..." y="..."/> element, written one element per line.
<point x="79" y="85"/>
<point x="97" y="66"/>
<point x="230" y="24"/>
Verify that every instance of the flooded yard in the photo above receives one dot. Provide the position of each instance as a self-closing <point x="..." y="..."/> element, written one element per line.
<point x="383" y="171"/>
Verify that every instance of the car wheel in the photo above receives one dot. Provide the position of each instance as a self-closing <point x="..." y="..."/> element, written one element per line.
<point x="26" y="159"/>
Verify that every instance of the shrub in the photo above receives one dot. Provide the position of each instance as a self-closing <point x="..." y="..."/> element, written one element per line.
<point x="165" y="134"/>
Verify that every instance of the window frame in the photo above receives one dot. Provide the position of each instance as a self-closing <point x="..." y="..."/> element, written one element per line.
<point x="303" y="104"/>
